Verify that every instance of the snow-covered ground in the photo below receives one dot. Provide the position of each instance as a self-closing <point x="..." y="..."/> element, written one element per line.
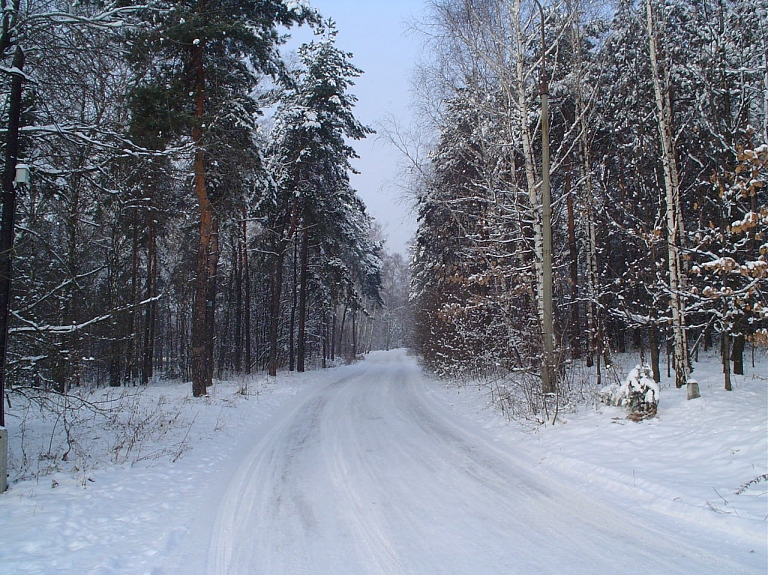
<point x="373" y="468"/>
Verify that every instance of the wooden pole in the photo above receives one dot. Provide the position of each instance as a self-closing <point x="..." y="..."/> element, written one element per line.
<point x="9" y="214"/>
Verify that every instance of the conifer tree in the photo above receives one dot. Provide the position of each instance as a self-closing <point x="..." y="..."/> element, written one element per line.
<point x="313" y="202"/>
<point x="203" y="59"/>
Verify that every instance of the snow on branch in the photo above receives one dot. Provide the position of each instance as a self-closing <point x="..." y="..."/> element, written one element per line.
<point x="122" y="146"/>
<point x="32" y="327"/>
<point x="112" y="18"/>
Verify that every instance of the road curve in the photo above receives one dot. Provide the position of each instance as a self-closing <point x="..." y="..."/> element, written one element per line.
<point x="372" y="474"/>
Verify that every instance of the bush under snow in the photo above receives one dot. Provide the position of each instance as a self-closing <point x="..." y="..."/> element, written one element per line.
<point x="639" y="393"/>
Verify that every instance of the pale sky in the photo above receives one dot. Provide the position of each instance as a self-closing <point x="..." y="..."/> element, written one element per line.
<point x="375" y="32"/>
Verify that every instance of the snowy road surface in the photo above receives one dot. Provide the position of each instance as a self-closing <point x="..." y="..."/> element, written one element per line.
<point x="371" y="473"/>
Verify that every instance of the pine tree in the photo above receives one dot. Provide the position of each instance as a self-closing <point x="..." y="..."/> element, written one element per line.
<point x="203" y="58"/>
<point x="312" y="201"/>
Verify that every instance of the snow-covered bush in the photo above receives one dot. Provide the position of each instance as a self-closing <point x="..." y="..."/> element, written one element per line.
<point x="639" y="393"/>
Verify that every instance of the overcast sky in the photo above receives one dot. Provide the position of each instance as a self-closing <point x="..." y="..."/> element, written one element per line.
<point x="375" y="32"/>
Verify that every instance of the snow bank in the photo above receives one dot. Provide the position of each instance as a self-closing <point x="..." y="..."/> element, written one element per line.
<point x="137" y="474"/>
<point x="699" y="462"/>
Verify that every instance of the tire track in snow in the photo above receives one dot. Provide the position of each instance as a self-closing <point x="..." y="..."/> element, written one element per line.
<point x="371" y="474"/>
<point x="371" y="540"/>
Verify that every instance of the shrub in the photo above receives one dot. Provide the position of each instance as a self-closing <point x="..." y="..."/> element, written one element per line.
<point x="639" y="393"/>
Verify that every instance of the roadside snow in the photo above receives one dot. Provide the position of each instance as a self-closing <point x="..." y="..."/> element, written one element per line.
<point x="692" y="462"/>
<point x="152" y="509"/>
<point x="115" y="512"/>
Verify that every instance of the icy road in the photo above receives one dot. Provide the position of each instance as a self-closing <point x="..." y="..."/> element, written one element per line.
<point x="371" y="473"/>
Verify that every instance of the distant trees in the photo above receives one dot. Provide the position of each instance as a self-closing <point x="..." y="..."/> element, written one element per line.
<point x="124" y="274"/>
<point x="392" y="325"/>
<point x="313" y="211"/>
<point x="647" y="111"/>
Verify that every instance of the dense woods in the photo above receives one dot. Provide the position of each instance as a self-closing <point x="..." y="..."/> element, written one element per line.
<point x="180" y="238"/>
<point x="596" y="184"/>
<point x="657" y="130"/>
<point x="189" y="212"/>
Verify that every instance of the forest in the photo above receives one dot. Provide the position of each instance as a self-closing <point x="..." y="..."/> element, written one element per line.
<point x="596" y="186"/>
<point x="177" y="201"/>
<point x="184" y="209"/>
<point x="181" y="237"/>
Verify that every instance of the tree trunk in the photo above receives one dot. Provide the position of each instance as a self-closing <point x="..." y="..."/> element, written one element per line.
<point x="340" y="350"/>
<point x="202" y="343"/>
<point x="276" y="279"/>
<point x="673" y="208"/>
<point x="210" y="308"/>
<point x="224" y="344"/>
<point x="653" y="343"/>
<point x="325" y="339"/>
<point x="708" y="338"/>
<point x="294" y="306"/>
<point x="131" y="359"/>
<point x="725" y="344"/>
<point x="9" y="217"/>
<point x="247" y="279"/>
<point x="148" y="349"/>
<point x="573" y="252"/>
<point x="237" y="259"/>
<point x="593" y="317"/>
<point x="538" y="209"/>
<point x="371" y="326"/>
<point x="333" y="335"/>
<point x="303" y="272"/>
<point x="549" y="381"/>
<point x="737" y="354"/>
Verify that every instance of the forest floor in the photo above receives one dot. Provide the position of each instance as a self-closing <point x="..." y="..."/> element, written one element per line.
<point x="376" y="468"/>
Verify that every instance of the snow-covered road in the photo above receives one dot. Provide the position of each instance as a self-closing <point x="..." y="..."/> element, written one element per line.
<point x="371" y="473"/>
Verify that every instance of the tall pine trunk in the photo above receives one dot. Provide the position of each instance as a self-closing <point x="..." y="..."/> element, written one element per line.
<point x="333" y="335"/>
<point x="247" y="295"/>
<point x="276" y="279"/>
<point x="294" y="307"/>
<point x="237" y="260"/>
<point x="303" y="289"/>
<point x="148" y="349"/>
<point x="325" y="339"/>
<point x="210" y="290"/>
<point x="202" y="340"/>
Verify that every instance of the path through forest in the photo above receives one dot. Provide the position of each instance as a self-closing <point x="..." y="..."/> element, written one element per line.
<point x="370" y="473"/>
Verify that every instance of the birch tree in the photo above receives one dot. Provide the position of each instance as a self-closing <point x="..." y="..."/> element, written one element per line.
<point x="675" y="228"/>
